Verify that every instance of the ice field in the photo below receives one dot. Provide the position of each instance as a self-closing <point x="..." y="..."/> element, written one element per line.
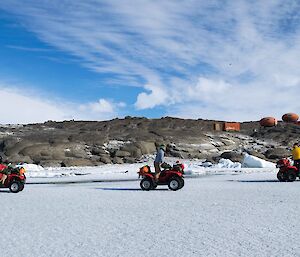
<point x="221" y="214"/>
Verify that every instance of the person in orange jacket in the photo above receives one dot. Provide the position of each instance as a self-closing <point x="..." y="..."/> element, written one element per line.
<point x="296" y="155"/>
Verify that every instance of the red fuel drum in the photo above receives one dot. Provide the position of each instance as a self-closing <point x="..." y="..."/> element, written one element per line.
<point x="290" y="117"/>
<point x="268" y="122"/>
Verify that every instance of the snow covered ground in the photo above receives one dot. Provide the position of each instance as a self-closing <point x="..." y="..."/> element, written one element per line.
<point x="227" y="214"/>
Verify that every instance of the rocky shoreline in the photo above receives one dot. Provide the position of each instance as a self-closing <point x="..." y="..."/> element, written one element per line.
<point x="129" y="140"/>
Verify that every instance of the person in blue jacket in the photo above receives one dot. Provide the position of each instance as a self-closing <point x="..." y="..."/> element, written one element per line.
<point x="159" y="159"/>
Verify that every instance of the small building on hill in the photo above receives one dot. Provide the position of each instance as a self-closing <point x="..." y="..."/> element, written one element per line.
<point x="227" y="126"/>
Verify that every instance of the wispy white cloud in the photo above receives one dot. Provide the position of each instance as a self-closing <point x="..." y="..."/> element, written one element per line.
<point x="232" y="59"/>
<point x="29" y="107"/>
<point x="103" y="107"/>
<point x="28" y="49"/>
<point x="19" y="107"/>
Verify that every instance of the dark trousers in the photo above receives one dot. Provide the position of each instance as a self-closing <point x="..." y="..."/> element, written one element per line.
<point x="297" y="164"/>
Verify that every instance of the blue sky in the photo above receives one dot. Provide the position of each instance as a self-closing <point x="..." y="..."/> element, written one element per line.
<point x="97" y="60"/>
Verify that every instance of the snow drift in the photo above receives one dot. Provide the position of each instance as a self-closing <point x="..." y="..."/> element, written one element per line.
<point x="251" y="161"/>
<point x="115" y="172"/>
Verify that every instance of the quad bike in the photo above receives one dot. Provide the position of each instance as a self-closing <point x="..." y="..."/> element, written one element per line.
<point x="15" y="180"/>
<point x="171" y="176"/>
<point x="287" y="172"/>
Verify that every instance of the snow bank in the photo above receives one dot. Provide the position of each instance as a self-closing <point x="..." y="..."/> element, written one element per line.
<point x="103" y="172"/>
<point x="32" y="167"/>
<point x="37" y="171"/>
<point x="129" y="171"/>
<point x="204" y="168"/>
<point x="194" y="169"/>
<point x="251" y="161"/>
<point x="251" y="164"/>
<point x="226" y="163"/>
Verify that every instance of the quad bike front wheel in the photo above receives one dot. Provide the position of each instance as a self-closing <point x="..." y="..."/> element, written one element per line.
<point x="175" y="183"/>
<point x="15" y="187"/>
<point x="281" y="176"/>
<point x="146" y="184"/>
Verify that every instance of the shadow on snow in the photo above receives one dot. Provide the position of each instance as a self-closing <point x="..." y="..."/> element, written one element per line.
<point x="257" y="181"/>
<point x="4" y="191"/>
<point x="128" y="189"/>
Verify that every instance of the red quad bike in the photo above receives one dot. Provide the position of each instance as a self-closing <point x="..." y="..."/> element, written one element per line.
<point x="287" y="172"/>
<point x="171" y="176"/>
<point x="15" y="181"/>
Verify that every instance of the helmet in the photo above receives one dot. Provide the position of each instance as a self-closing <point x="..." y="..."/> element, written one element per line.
<point x="162" y="146"/>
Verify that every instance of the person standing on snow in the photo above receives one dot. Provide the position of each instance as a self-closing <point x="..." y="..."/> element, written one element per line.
<point x="159" y="159"/>
<point x="3" y="170"/>
<point x="296" y="155"/>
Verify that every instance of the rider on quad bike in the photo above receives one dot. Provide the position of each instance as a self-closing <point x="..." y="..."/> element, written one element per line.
<point x="12" y="177"/>
<point x="170" y="176"/>
<point x="287" y="171"/>
<point x="296" y="155"/>
<point x="3" y="170"/>
<point x="159" y="159"/>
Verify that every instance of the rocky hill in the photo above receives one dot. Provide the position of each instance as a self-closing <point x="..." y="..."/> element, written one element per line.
<point x="80" y="143"/>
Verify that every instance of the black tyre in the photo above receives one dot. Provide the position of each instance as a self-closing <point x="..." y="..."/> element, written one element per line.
<point x="281" y="176"/>
<point x="174" y="183"/>
<point x="181" y="182"/>
<point x="15" y="187"/>
<point x="146" y="184"/>
<point x="22" y="187"/>
<point x="291" y="177"/>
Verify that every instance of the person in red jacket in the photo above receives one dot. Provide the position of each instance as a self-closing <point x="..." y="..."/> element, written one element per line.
<point x="3" y="171"/>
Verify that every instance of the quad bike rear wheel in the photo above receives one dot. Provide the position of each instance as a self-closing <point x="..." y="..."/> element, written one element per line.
<point x="175" y="183"/>
<point x="291" y="177"/>
<point x="146" y="184"/>
<point x="22" y="187"/>
<point x="181" y="182"/>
